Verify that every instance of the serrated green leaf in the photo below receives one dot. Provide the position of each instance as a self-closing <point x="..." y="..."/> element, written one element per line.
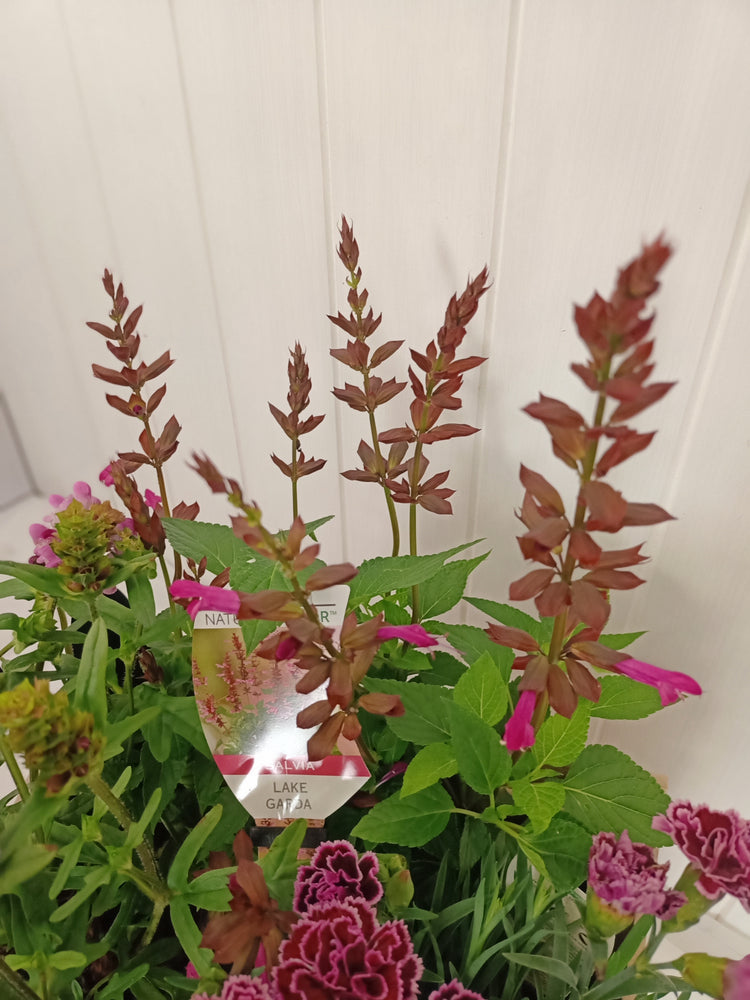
<point x="426" y="717"/>
<point x="560" y="740"/>
<point x="91" y="690"/>
<point x="606" y="790"/>
<point x="623" y="698"/>
<point x="620" y="640"/>
<point x="446" y="588"/>
<point x="409" y="822"/>
<point x="196" y="539"/>
<point x="564" y="849"/>
<point x="483" y="762"/>
<point x="179" y="870"/>
<point x="258" y="574"/>
<point x="432" y="763"/>
<point x="473" y="642"/>
<point x="539" y="800"/>
<point x="513" y="618"/>
<point x="281" y="862"/>
<point x="387" y="573"/>
<point x="483" y="690"/>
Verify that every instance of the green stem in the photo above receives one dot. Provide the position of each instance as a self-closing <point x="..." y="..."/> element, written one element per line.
<point x="390" y="505"/>
<point x="295" y="499"/>
<point x="102" y="791"/>
<point x="148" y="937"/>
<point x="7" y="647"/>
<point x="14" y="988"/>
<point x="15" y="770"/>
<point x="413" y="547"/>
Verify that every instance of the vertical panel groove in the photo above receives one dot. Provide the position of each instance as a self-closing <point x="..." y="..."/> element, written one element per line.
<point x="497" y="240"/>
<point x="200" y="201"/>
<point x="325" y="158"/>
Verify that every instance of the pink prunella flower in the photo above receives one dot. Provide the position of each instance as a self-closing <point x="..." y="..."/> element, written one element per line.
<point x="204" y="598"/>
<point x="43" y="534"/>
<point x="669" y="683"/>
<point x="717" y="844"/>
<point x="626" y="882"/>
<point x="519" y="733"/>
<point x="105" y="476"/>
<point x="338" y="951"/>
<point x="337" y="873"/>
<point x="454" y="991"/>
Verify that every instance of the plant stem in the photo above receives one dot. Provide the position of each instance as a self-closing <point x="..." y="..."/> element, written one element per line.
<point x="15" y="770"/>
<point x="295" y="499"/>
<point x="14" y="988"/>
<point x="101" y="789"/>
<point x="390" y="505"/>
<point x="159" y="907"/>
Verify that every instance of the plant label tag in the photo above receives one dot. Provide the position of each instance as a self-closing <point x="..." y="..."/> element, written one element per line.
<point x="248" y="709"/>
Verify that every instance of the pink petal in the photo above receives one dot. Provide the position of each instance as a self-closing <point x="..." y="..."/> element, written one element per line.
<point x="519" y="733"/>
<point x="417" y="635"/>
<point x="203" y="598"/>
<point x="669" y="683"/>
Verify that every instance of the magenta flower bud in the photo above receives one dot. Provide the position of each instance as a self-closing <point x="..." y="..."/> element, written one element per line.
<point x="519" y="733"/>
<point x="417" y="635"/>
<point x="204" y="598"/>
<point x="337" y="873"/>
<point x="105" y="478"/>
<point x="669" y="683"/>
<point x="717" y="844"/>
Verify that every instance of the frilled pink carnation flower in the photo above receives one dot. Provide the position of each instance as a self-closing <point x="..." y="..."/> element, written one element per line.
<point x="241" y="988"/>
<point x="737" y="979"/>
<point x="336" y="873"/>
<point x="454" y="991"/>
<point x="715" y="843"/>
<point x="339" y="952"/>
<point x="626" y="876"/>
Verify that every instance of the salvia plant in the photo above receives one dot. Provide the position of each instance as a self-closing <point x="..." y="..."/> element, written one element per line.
<point x="494" y="851"/>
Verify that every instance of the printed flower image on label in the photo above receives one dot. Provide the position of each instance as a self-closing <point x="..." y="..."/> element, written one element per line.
<point x="248" y="707"/>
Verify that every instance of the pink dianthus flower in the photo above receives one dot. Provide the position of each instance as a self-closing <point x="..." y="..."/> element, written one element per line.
<point x="454" y="991"/>
<point x="626" y="876"/>
<point x="337" y="873"/>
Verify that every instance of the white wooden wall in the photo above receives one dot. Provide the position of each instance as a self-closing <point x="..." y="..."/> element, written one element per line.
<point x="204" y="151"/>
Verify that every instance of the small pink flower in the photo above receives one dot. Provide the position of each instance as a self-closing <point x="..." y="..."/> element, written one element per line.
<point x="626" y="877"/>
<point x="737" y="979"/>
<point x="519" y="733"/>
<point x="669" y="683"/>
<point x="716" y="843"/>
<point x="245" y="988"/>
<point x="339" y="952"/>
<point x="41" y="536"/>
<point x="190" y="971"/>
<point x="152" y="500"/>
<point x="203" y="598"/>
<point x="454" y="991"/>
<point x="105" y="476"/>
<point x="417" y="635"/>
<point x="337" y="873"/>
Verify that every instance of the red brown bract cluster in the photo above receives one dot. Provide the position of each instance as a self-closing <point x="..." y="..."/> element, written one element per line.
<point x="573" y="585"/>
<point x="342" y="667"/>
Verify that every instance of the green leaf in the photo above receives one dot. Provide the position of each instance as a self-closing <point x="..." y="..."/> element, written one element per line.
<point x="446" y="588"/>
<point x="42" y="578"/>
<point x="426" y="717"/>
<point x="217" y="542"/>
<point x="483" y="690"/>
<point x="179" y="870"/>
<point x="623" y="698"/>
<point x="141" y="598"/>
<point x="513" y="618"/>
<point x="257" y="574"/>
<point x="409" y="822"/>
<point x="310" y="527"/>
<point x="68" y="960"/>
<point x="383" y="574"/>
<point x="91" y="687"/>
<point x="483" y="762"/>
<point x="560" y="740"/>
<point x="539" y="800"/>
<point x="189" y="935"/>
<point x="606" y="790"/>
<point x="620" y="640"/>
<point x="432" y="763"/>
<point x="564" y="849"/>
<point x="117" y="732"/>
<point x="210" y="891"/>
<point x="121" y="981"/>
<point x="14" y="588"/>
<point x="280" y="864"/>
<point x="473" y="642"/>
<point x="96" y="878"/>
<point x="550" y="966"/>
<point x="9" y="621"/>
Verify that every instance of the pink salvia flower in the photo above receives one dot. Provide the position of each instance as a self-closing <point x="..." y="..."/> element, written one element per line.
<point x="152" y="499"/>
<point x="339" y="952"/>
<point x="519" y="733"/>
<point x="669" y="683"/>
<point x="105" y="476"/>
<point x="417" y="635"/>
<point x="454" y="991"/>
<point x="717" y="844"/>
<point x="204" y="598"/>
<point x="337" y="873"/>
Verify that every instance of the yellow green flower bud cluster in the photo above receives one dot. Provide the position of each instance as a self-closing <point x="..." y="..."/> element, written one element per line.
<point x="59" y="743"/>
<point x="85" y="542"/>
